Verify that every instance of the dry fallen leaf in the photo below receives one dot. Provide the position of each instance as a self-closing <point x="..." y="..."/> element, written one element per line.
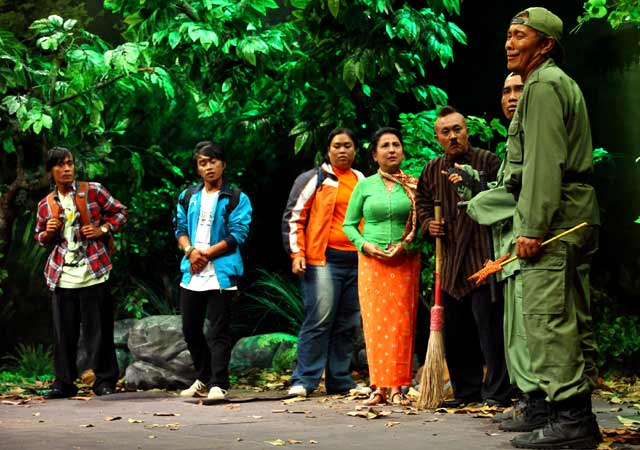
<point x="111" y="419"/>
<point x="293" y="441"/>
<point x="231" y="406"/>
<point x="77" y="397"/>
<point x="256" y="417"/>
<point x="275" y="442"/>
<point x="294" y="400"/>
<point x="136" y="421"/>
<point x="391" y="424"/>
<point x="311" y="441"/>
<point x="165" y="414"/>
<point x="629" y="421"/>
<point x="278" y="411"/>
<point x="35" y="414"/>
<point x="151" y="436"/>
<point x="87" y="425"/>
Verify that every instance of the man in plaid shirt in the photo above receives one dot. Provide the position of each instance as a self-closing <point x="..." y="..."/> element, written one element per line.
<point x="77" y="272"/>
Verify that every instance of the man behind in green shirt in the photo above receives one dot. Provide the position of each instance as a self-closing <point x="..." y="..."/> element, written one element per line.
<point x="495" y="207"/>
<point x="546" y="169"/>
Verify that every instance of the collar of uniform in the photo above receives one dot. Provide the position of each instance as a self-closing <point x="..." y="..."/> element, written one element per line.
<point x="535" y="75"/>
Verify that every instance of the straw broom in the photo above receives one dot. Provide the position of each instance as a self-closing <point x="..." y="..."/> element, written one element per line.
<point x="432" y="379"/>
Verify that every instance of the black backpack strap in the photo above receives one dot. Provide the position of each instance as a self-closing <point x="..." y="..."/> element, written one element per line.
<point x="188" y="194"/>
<point x="320" y="177"/>
<point x="234" y="200"/>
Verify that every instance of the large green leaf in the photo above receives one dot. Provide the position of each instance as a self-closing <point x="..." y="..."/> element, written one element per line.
<point x="334" y="7"/>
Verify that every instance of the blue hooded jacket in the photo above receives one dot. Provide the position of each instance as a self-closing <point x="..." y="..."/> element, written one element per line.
<point x="231" y="227"/>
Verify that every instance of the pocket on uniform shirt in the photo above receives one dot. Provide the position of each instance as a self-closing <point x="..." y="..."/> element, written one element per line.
<point x="543" y="282"/>
<point x="514" y="142"/>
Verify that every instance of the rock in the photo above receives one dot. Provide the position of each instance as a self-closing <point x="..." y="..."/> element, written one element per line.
<point x="143" y="375"/>
<point x="124" y="358"/>
<point x="157" y="341"/>
<point x="285" y="358"/>
<point x="121" y="330"/>
<point x="263" y="351"/>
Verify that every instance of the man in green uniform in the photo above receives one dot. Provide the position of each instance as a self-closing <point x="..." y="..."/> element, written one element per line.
<point x="548" y="162"/>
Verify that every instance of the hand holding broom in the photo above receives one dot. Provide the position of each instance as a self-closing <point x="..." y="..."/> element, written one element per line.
<point x="432" y="379"/>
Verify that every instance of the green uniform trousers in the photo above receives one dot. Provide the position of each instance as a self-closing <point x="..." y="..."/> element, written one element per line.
<point x="515" y="337"/>
<point x="556" y="313"/>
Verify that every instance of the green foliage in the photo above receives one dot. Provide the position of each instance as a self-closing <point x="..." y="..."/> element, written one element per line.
<point x="617" y="12"/>
<point x="617" y="335"/>
<point x="30" y="360"/>
<point x="17" y="16"/>
<point x="600" y="155"/>
<point x="276" y="296"/>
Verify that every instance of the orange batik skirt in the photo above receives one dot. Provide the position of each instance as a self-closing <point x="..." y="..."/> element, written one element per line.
<point x="388" y="293"/>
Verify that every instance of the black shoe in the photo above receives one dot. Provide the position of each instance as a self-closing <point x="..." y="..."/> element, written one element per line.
<point x="534" y="414"/>
<point x="458" y="403"/>
<point x="572" y="425"/>
<point x="61" y="391"/>
<point x="496" y="403"/>
<point x="104" y="390"/>
<point x="510" y="413"/>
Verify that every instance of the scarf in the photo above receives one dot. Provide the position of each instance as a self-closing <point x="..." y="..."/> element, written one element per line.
<point x="409" y="185"/>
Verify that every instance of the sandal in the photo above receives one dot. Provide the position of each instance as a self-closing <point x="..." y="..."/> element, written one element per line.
<point x="398" y="398"/>
<point x="377" y="397"/>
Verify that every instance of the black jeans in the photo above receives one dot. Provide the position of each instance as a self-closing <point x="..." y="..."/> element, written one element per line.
<point x="212" y="365"/>
<point x="473" y="337"/>
<point x="90" y="307"/>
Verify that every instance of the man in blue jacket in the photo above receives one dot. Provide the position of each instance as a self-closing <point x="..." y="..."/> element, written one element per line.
<point x="212" y="221"/>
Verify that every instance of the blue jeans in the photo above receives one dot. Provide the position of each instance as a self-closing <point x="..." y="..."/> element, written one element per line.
<point x="332" y="314"/>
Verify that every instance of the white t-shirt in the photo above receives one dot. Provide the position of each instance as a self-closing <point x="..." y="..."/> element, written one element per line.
<point x="75" y="272"/>
<point x="206" y="280"/>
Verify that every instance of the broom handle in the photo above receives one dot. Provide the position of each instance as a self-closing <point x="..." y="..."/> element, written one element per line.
<point x="438" y="217"/>
<point x="547" y="242"/>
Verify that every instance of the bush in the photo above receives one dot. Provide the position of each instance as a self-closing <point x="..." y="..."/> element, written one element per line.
<point x="30" y="361"/>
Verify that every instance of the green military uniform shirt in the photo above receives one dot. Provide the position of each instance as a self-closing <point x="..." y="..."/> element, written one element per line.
<point x="550" y="156"/>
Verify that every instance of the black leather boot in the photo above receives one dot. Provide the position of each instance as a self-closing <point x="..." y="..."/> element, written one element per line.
<point x="534" y="414"/>
<point x="572" y="425"/>
<point x="510" y="413"/>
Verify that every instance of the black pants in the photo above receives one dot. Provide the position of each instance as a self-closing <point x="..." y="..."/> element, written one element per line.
<point x="90" y="307"/>
<point x="212" y="365"/>
<point x="473" y="337"/>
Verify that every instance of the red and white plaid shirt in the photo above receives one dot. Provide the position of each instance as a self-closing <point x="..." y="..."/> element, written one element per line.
<point x="103" y="208"/>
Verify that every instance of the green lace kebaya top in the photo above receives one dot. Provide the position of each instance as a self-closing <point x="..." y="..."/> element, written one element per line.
<point x="385" y="213"/>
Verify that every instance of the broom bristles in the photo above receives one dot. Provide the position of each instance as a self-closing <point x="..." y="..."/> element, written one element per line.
<point x="432" y="378"/>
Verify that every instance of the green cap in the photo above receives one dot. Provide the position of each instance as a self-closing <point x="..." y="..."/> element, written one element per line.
<point x="540" y="19"/>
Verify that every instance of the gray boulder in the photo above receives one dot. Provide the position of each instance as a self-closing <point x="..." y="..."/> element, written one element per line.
<point x="158" y="342"/>
<point x="143" y="375"/>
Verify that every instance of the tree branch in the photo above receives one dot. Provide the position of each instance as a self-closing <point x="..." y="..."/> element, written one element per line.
<point x="188" y="11"/>
<point x="98" y="86"/>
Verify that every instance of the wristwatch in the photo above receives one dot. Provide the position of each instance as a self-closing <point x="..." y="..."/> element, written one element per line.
<point x="104" y="228"/>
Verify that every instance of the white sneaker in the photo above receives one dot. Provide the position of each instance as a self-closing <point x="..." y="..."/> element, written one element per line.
<point x="298" y="390"/>
<point x="361" y="389"/>
<point x="197" y="389"/>
<point x="216" y="393"/>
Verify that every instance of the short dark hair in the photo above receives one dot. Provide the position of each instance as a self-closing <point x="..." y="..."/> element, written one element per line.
<point x="55" y="156"/>
<point x="382" y="131"/>
<point x="446" y="110"/>
<point x="333" y="133"/>
<point x="208" y="149"/>
<point x="557" y="52"/>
